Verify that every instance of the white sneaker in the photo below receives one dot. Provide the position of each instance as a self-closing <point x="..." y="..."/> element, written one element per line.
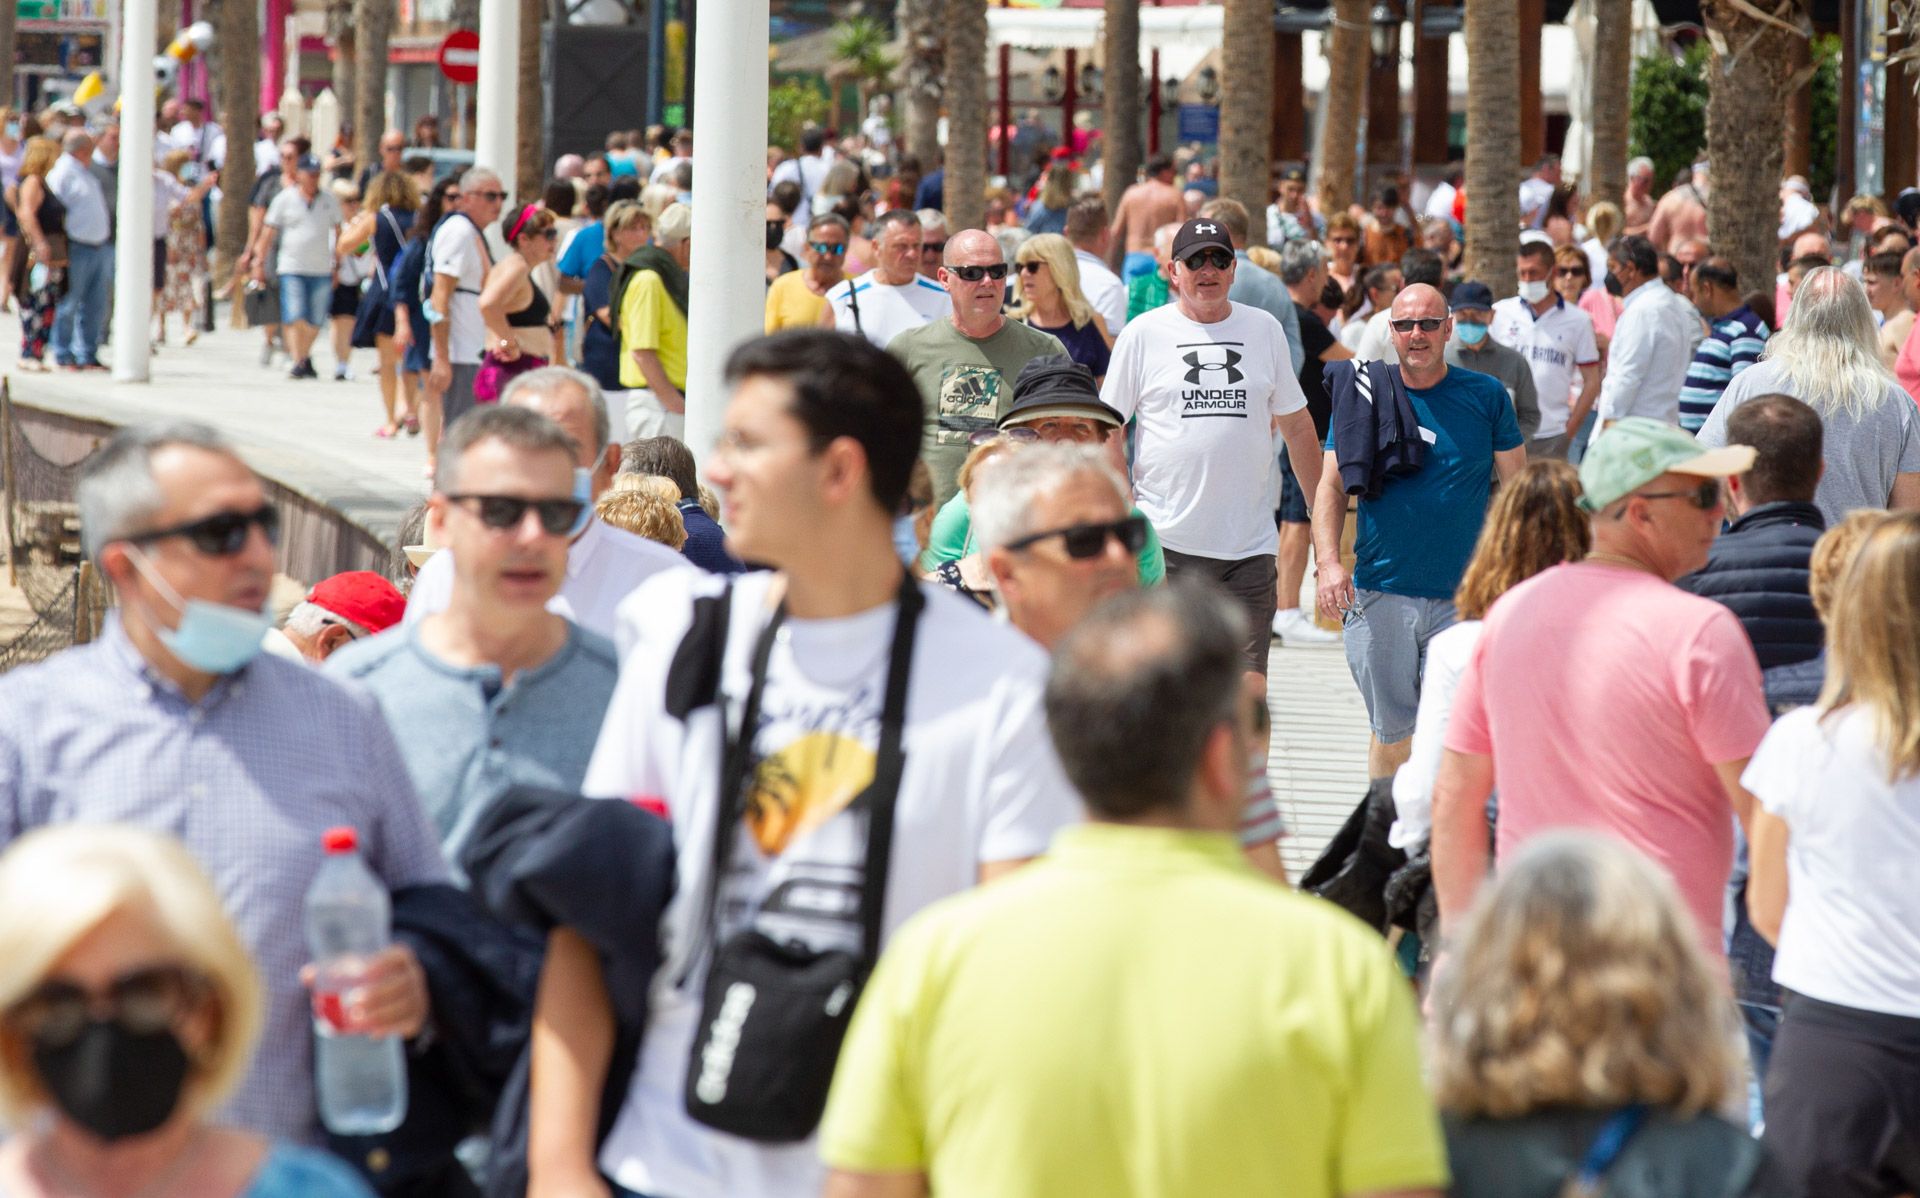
<point x="1296" y="629"/>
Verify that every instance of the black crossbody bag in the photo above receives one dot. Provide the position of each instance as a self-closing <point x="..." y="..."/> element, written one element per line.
<point x="773" y="1013"/>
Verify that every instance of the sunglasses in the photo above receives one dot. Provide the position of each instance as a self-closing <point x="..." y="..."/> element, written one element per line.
<point x="829" y="248"/>
<point x="548" y="234"/>
<point x="986" y="435"/>
<point x="1706" y="496"/>
<point x="142" y="1001"/>
<point x="1031" y="268"/>
<point x="487" y="195"/>
<point x="1083" y="541"/>
<point x="1426" y="324"/>
<point x="933" y="247"/>
<point x="973" y="274"/>
<point x="558" y="517"/>
<point x="222" y="534"/>
<point x="1570" y="272"/>
<point x="1218" y="259"/>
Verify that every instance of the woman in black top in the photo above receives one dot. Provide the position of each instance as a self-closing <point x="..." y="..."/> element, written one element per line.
<point x="43" y="269"/>
<point x="393" y="200"/>
<point x="520" y="319"/>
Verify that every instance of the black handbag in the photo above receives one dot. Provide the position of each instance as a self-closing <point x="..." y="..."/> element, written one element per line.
<point x="773" y="1013"/>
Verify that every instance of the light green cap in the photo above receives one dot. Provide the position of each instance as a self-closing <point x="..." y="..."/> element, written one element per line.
<point x="1634" y="451"/>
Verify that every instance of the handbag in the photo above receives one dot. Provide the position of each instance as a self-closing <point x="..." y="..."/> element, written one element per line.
<point x="496" y="373"/>
<point x="773" y="1013"/>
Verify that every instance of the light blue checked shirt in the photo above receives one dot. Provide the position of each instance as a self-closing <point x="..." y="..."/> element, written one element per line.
<point x="248" y="779"/>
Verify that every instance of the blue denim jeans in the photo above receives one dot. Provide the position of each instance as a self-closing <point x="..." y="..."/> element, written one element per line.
<point x="81" y="318"/>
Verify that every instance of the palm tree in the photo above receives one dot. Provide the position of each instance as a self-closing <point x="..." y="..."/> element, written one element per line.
<point x="1611" y="74"/>
<point x="374" y="19"/>
<point x="860" y="54"/>
<point x="9" y="22"/>
<point x="236" y="75"/>
<point x="1493" y="142"/>
<point x="529" y="145"/>
<point x="1748" y="77"/>
<point x="1346" y="90"/>
<point x="966" y="90"/>
<point x="1120" y="118"/>
<point x="340" y="35"/>
<point x="1246" y="104"/>
<point x="922" y="22"/>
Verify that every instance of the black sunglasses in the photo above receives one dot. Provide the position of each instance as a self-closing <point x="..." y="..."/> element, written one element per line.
<point x="1031" y="268"/>
<point x="1706" y="496"/>
<point x="1426" y="324"/>
<point x="558" y="517"/>
<point x="973" y="274"/>
<point x="1083" y="541"/>
<point x="222" y="534"/>
<point x="488" y="195"/>
<point x="142" y="1001"/>
<point x="933" y="247"/>
<point x="1218" y="259"/>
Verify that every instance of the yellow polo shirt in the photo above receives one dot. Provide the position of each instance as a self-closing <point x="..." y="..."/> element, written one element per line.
<point x="1138" y="1013"/>
<point x="790" y="305"/>
<point x="649" y="320"/>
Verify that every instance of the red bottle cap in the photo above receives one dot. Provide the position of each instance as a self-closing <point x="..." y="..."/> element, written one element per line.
<point x="340" y="840"/>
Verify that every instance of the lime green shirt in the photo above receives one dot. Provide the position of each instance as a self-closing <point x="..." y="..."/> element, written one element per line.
<point x="951" y="538"/>
<point x="1138" y="1013"/>
<point x="649" y="320"/>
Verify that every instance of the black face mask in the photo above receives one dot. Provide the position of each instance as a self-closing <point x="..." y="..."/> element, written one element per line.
<point x="114" y="1082"/>
<point x="775" y="231"/>
<point x="1612" y="284"/>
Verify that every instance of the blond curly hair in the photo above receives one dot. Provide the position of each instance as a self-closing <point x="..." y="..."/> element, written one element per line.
<point x="645" y="513"/>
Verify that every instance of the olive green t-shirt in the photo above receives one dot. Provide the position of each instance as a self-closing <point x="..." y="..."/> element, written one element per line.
<point x="965" y="386"/>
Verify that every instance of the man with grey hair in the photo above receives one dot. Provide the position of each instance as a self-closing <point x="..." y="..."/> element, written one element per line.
<point x="1303" y="270"/>
<point x="1637" y="205"/>
<point x="649" y="304"/>
<point x="459" y="259"/>
<point x="347" y="607"/>
<point x="892" y="297"/>
<point x="173" y="720"/>
<point x="604" y="564"/>
<point x="933" y="239"/>
<point x="1652" y="341"/>
<point x="79" y="321"/>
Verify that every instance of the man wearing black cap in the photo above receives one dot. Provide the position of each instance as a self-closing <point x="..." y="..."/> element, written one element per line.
<point x="1472" y="349"/>
<point x="1208" y="382"/>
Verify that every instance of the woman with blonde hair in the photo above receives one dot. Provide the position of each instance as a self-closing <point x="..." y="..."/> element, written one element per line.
<point x="1582" y="1042"/>
<point x="128" y="1012"/>
<point x="386" y="220"/>
<point x="1048" y="212"/>
<point x="1048" y="298"/>
<point x="180" y="250"/>
<point x="1833" y="849"/>
<point x="41" y="273"/>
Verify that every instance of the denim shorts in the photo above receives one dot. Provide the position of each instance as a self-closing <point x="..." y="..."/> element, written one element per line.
<point x="1386" y="642"/>
<point x="304" y="299"/>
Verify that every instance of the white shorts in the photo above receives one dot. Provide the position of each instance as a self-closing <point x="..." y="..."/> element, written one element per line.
<point x="646" y="418"/>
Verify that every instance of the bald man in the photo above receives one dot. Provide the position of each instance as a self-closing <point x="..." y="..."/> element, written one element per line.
<point x="1416" y="535"/>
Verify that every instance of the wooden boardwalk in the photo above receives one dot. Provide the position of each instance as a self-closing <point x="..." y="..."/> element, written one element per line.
<point x="1317" y="762"/>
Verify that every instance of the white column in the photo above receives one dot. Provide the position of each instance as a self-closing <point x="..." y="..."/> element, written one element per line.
<point x="726" y="303"/>
<point x="497" y="95"/>
<point x="133" y="241"/>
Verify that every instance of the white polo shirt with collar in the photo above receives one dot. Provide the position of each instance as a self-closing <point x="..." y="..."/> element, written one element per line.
<point x="1556" y="343"/>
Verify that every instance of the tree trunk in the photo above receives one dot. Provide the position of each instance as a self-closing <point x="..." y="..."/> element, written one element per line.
<point x="236" y="24"/>
<point x="373" y="20"/>
<point x="530" y="148"/>
<point x="1612" y="73"/>
<point x="1748" y="77"/>
<point x="1493" y="142"/>
<point x="340" y="34"/>
<point x="923" y="24"/>
<point x="1246" y="108"/>
<point x="1120" y="118"/>
<point x="9" y="23"/>
<point x="966" y="92"/>
<point x="1346" y="83"/>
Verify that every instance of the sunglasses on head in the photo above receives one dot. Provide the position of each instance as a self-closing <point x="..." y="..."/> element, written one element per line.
<point x="1426" y="324"/>
<point x="558" y="517"/>
<point x="1083" y="541"/>
<point x="142" y="1001"/>
<point x="222" y="534"/>
<point x="830" y="248"/>
<point x="1216" y="258"/>
<point x="985" y="435"/>
<point x="973" y="274"/>
<point x="1706" y="496"/>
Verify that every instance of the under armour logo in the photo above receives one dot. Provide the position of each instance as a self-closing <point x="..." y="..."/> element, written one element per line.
<point x="1201" y="362"/>
<point x="1206" y="228"/>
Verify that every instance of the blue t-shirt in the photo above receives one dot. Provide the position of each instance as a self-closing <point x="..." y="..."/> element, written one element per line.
<point x="1415" y="538"/>
<point x="584" y="250"/>
<point x="290" y="1172"/>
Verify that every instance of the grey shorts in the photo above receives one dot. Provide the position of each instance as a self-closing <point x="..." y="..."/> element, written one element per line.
<point x="1555" y="447"/>
<point x="1386" y="641"/>
<point x="1252" y="582"/>
<point x="458" y="400"/>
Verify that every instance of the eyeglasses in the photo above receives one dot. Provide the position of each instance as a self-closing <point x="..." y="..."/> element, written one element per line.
<point x="1083" y="541"/>
<point x="830" y="248"/>
<point x="1426" y="324"/>
<point x="558" y="517"/>
<point x="973" y="274"/>
<point x="487" y="195"/>
<point x="933" y="247"/>
<point x="222" y="534"/>
<point x="986" y="435"/>
<point x="1218" y="259"/>
<point x="1706" y="496"/>
<point x="1031" y="268"/>
<point x="142" y="1001"/>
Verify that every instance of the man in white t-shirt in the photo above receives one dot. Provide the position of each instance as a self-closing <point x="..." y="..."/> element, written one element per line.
<point x="1557" y="340"/>
<point x="1087" y="230"/>
<point x="1208" y="383"/>
<point x="812" y="490"/>
<point x="892" y="297"/>
<point x="302" y="219"/>
<point x="458" y="259"/>
<point x="809" y="171"/>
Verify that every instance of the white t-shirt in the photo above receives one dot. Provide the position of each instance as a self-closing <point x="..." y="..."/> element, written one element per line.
<point x="810" y="173"/>
<point x="1852" y="929"/>
<point x="1204" y="397"/>
<point x="305" y="245"/>
<point x="981" y="784"/>
<point x="1104" y="291"/>
<point x="1376" y="342"/>
<point x="1440" y="201"/>
<point x="886" y="310"/>
<point x="456" y="250"/>
<point x="603" y="567"/>
<point x="1555" y="345"/>
<point x="1447" y="656"/>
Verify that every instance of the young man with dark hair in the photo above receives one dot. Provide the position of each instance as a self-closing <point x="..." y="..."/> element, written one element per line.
<point x="830" y="661"/>
<point x="1558" y="342"/>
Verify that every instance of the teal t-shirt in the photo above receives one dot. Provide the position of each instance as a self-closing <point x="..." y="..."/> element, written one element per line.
<point x="949" y="541"/>
<point x="1416" y="538"/>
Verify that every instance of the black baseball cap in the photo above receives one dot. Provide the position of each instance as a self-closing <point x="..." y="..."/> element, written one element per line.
<point x="1477" y="296"/>
<point x="307" y="162"/>
<point x="1056" y="385"/>
<point x="1200" y="234"/>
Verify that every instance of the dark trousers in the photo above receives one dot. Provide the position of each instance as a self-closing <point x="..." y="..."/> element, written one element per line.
<point x="1252" y="582"/>
<point x="1843" y="1101"/>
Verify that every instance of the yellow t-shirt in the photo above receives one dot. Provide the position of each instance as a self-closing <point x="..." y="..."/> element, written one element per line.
<point x="1138" y="1013"/>
<point x="649" y="320"/>
<point x="791" y="306"/>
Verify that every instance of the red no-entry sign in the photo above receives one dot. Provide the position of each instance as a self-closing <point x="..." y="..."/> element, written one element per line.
<point x="460" y="56"/>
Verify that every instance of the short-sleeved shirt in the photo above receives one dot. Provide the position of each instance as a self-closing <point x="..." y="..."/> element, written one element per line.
<point x="1556" y="344"/>
<point x="1204" y="398"/>
<point x="791" y="304"/>
<point x="305" y="245"/>
<point x="882" y="311"/>
<point x="649" y="319"/>
<point x="457" y="250"/>
<point x="1315" y="339"/>
<point x="1415" y="537"/>
<point x="1097" y="1025"/>
<point x="1673" y="682"/>
<point x="965" y="385"/>
<point x="584" y="248"/>
<point x="599" y="343"/>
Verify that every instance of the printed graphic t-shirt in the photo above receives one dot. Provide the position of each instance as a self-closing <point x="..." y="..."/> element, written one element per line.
<point x="965" y="385"/>
<point x="981" y="784"/>
<point x="1204" y="397"/>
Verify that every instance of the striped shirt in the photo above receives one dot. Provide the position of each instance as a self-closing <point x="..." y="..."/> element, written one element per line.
<point x="1735" y="343"/>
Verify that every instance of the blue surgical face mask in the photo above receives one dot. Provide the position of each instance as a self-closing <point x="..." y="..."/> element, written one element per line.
<point x="212" y="637"/>
<point x="582" y="494"/>
<point x="13" y="129"/>
<point x="1470" y="334"/>
<point x="906" y="542"/>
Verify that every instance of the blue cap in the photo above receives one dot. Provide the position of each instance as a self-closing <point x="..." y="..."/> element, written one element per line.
<point x="1471" y="295"/>
<point x="307" y="163"/>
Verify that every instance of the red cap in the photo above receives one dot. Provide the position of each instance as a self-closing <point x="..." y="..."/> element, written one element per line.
<point x="340" y="840"/>
<point x="361" y="596"/>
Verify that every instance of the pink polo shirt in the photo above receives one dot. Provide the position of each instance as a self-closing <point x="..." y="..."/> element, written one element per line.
<point x="1906" y="367"/>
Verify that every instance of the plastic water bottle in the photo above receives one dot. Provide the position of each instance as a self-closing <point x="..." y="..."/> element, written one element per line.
<point x="361" y="1080"/>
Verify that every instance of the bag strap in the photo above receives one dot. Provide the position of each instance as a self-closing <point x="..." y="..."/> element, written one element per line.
<point x="853" y="303"/>
<point x="1605" y="1151"/>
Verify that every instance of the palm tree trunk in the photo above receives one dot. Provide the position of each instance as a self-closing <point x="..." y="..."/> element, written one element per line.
<point x="966" y="92"/>
<point x="1346" y="87"/>
<point x="340" y="33"/>
<point x="9" y="23"/>
<point x="1493" y="142"/>
<point x="236" y="74"/>
<point x="1747" y="77"/>
<point x="530" y="147"/>
<point x="1611" y="72"/>
<point x="922" y="23"/>
<point x="374" y="29"/>
<point x="1120" y="118"/>
<point x="1246" y="107"/>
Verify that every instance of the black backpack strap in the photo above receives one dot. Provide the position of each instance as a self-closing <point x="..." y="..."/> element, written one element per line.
<point x="889" y="769"/>
<point x="693" y="677"/>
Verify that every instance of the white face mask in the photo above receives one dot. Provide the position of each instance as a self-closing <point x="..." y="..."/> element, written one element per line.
<point x="1533" y="292"/>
